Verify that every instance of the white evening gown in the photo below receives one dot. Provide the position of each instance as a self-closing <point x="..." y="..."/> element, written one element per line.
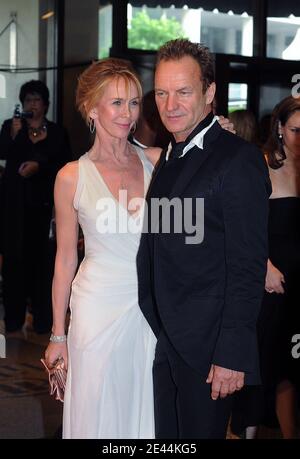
<point x="109" y="392"/>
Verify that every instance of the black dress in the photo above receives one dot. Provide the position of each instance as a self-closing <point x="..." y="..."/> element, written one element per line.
<point x="278" y="322"/>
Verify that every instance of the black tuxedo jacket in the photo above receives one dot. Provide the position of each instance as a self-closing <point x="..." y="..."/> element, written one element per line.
<point x="207" y="296"/>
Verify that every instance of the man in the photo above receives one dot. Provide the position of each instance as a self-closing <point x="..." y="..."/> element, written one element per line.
<point x="201" y="293"/>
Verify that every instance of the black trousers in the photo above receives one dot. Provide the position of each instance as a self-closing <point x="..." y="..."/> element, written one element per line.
<point x="182" y="399"/>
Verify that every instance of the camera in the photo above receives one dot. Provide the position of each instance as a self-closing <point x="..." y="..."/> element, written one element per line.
<point x="18" y="113"/>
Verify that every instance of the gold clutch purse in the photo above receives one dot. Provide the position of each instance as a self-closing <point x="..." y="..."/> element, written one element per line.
<point x="57" y="378"/>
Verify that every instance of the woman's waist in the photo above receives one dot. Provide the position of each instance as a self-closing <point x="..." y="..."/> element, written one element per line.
<point x="125" y="263"/>
<point x="101" y="268"/>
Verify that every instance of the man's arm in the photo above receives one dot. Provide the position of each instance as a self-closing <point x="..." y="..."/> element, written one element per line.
<point x="245" y="195"/>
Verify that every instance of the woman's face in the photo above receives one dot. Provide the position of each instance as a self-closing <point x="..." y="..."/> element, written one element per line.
<point x="35" y="104"/>
<point x="291" y="134"/>
<point x="117" y="109"/>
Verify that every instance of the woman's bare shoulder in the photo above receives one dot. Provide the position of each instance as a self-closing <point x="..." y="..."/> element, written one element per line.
<point x="67" y="176"/>
<point x="69" y="171"/>
<point x="153" y="154"/>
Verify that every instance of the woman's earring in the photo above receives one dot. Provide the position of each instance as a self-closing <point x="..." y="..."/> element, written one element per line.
<point x="280" y="136"/>
<point x="133" y="128"/>
<point x="92" y="126"/>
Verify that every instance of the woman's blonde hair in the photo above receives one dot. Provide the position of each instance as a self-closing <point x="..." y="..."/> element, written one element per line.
<point x="93" y="81"/>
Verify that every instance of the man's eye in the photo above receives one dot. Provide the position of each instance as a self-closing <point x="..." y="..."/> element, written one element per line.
<point x="159" y="94"/>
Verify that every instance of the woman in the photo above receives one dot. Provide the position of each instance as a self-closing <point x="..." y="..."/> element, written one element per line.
<point x="34" y="149"/>
<point x="279" y="319"/>
<point x="110" y="345"/>
<point x="283" y="274"/>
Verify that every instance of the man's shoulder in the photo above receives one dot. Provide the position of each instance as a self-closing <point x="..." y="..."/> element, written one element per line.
<point x="228" y="139"/>
<point x="234" y="146"/>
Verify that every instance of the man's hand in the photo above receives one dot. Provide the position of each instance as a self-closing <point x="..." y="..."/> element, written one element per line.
<point x="224" y="381"/>
<point x="28" y="168"/>
<point x="226" y="124"/>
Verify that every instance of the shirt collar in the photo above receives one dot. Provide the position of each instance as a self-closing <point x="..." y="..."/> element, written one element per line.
<point x="195" y="141"/>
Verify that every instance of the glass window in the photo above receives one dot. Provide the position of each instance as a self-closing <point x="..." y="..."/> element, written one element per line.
<point x="222" y="32"/>
<point x="105" y="29"/>
<point x="27" y="49"/>
<point x="283" y="31"/>
<point x="269" y="95"/>
<point x="237" y="96"/>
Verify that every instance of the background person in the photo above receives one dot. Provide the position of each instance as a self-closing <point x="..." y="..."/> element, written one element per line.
<point x="34" y="149"/>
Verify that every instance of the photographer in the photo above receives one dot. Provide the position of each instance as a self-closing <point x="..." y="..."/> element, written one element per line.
<point x="34" y="149"/>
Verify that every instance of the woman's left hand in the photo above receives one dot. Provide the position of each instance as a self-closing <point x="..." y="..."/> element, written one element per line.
<point x="28" y="168"/>
<point x="226" y="124"/>
<point x="274" y="279"/>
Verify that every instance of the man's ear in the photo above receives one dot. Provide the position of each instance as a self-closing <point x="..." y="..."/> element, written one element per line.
<point x="210" y="93"/>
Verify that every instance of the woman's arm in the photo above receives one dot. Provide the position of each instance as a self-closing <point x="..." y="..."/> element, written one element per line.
<point x="66" y="256"/>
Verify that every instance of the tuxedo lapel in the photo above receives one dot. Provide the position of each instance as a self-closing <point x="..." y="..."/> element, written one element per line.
<point x="191" y="166"/>
<point x="195" y="161"/>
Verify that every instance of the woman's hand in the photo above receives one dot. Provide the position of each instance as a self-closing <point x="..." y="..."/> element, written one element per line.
<point x="274" y="279"/>
<point x="56" y="351"/>
<point x="28" y="168"/>
<point x="226" y="124"/>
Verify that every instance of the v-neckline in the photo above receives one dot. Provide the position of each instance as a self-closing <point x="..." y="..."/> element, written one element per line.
<point x="131" y="215"/>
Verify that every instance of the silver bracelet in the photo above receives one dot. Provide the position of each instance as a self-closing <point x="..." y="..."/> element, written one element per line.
<point x="58" y="338"/>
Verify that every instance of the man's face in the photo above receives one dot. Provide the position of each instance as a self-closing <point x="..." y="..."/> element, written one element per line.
<point x="179" y="96"/>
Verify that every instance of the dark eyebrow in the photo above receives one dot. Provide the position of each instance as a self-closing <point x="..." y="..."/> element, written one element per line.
<point x="185" y="88"/>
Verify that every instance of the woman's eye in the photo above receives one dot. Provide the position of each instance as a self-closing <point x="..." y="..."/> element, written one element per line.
<point x="117" y="102"/>
<point x="135" y="102"/>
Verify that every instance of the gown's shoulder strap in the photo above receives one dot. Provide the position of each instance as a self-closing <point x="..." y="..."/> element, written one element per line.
<point x="146" y="162"/>
<point x="80" y="182"/>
